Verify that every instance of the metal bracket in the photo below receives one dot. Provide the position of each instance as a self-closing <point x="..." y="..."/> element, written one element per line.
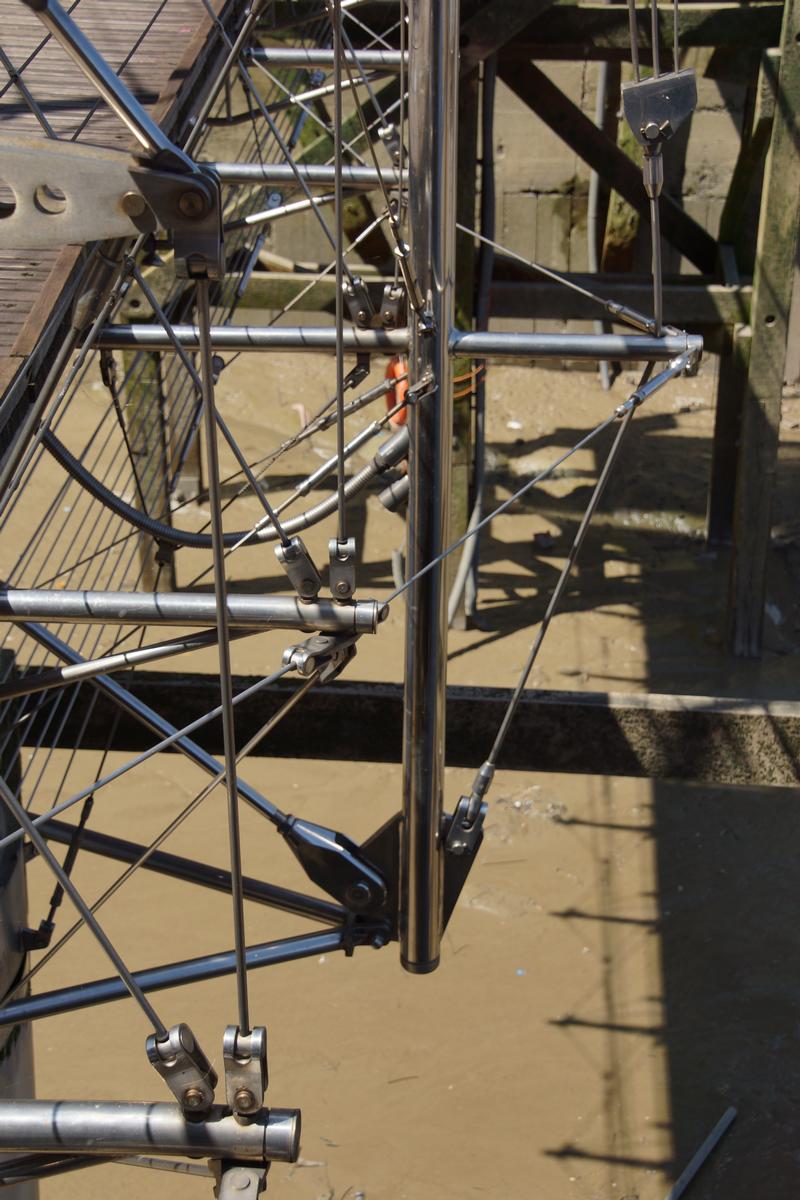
<point x="299" y="566"/>
<point x="655" y="108"/>
<point x="359" y="304"/>
<point x="391" y="140"/>
<point x="246" y="1078"/>
<point x="358" y="373"/>
<point x="238" y="1180"/>
<point x="334" y="862"/>
<point x="180" y="1061"/>
<point x="327" y="653"/>
<point x="36" y="939"/>
<point x="342" y="574"/>
<point x="463" y="832"/>
<point x="393" y="307"/>
<point x="68" y="193"/>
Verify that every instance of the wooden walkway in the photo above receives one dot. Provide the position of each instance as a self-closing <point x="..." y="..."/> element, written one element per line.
<point x="153" y="45"/>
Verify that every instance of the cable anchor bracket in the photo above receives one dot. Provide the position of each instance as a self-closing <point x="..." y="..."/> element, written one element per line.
<point x="656" y="108"/>
<point x="299" y="566"/>
<point x="327" y="653"/>
<point x="179" y="1060"/>
<point x="246" y="1074"/>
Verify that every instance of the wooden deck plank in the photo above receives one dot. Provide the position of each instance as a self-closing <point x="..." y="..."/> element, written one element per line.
<point x="154" y="37"/>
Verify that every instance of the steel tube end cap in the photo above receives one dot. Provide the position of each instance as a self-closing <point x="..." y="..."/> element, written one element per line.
<point x="282" y="1135"/>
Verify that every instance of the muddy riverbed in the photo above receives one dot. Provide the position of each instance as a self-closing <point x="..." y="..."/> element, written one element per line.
<point x="622" y="965"/>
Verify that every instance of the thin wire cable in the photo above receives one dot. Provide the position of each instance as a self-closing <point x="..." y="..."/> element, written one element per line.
<point x="623" y="313"/>
<point x="655" y="37"/>
<point x="16" y="78"/>
<point x="501" y="508"/>
<point x="676" y="37"/>
<point x="225" y="677"/>
<point x="277" y="817"/>
<point x="658" y="285"/>
<point x="558" y="590"/>
<point x="338" y="208"/>
<point x="173" y="825"/>
<point x="633" y="27"/>
<point x="288" y="156"/>
<point x="24" y="821"/>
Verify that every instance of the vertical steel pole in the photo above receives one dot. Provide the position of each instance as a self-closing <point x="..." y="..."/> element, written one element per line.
<point x="432" y="109"/>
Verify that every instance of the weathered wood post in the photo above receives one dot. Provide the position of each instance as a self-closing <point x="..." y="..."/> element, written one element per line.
<point x="772" y="295"/>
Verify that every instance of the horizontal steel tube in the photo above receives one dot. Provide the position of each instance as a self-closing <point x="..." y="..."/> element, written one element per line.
<point x="314" y="174"/>
<point x="188" y="608"/>
<point x="254" y="337"/>
<point x="156" y="979"/>
<point x="297" y="56"/>
<point x="594" y="346"/>
<point x="109" y="1128"/>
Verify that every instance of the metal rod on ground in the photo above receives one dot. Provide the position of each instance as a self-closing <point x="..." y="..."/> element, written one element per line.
<point x="711" y="1143"/>
<point x="432" y="153"/>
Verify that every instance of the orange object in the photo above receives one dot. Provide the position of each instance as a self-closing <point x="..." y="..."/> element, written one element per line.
<point x="397" y="368"/>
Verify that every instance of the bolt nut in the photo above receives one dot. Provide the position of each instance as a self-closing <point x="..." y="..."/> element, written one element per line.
<point x="358" y="895"/>
<point x="244" y="1100"/>
<point x="192" y="204"/>
<point x="133" y="204"/>
<point x="652" y="131"/>
<point x="193" y="1099"/>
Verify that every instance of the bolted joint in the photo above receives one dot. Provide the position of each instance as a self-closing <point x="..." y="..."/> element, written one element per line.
<point x="193" y="204"/>
<point x="342" y="575"/>
<point x="133" y="204"/>
<point x="299" y="566"/>
<point x="246" y="1077"/>
<point x="326" y="653"/>
<point x="239" y="1180"/>
<point x="181" y="1062"/>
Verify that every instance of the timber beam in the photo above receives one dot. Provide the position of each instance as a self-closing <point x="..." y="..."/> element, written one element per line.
<point x="693" y="738"/>
<point x="600" y="31"/>
<point x="566" y="120"/>
<point x="687" y="303"/>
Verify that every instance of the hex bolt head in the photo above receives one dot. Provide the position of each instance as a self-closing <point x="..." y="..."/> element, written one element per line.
<point x="193" y="1098"/>
<point x="192" y="204"/>
<point x="133" y="204"/>
<point x="358" y="894"/>
<point x="244" y="1100"/>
